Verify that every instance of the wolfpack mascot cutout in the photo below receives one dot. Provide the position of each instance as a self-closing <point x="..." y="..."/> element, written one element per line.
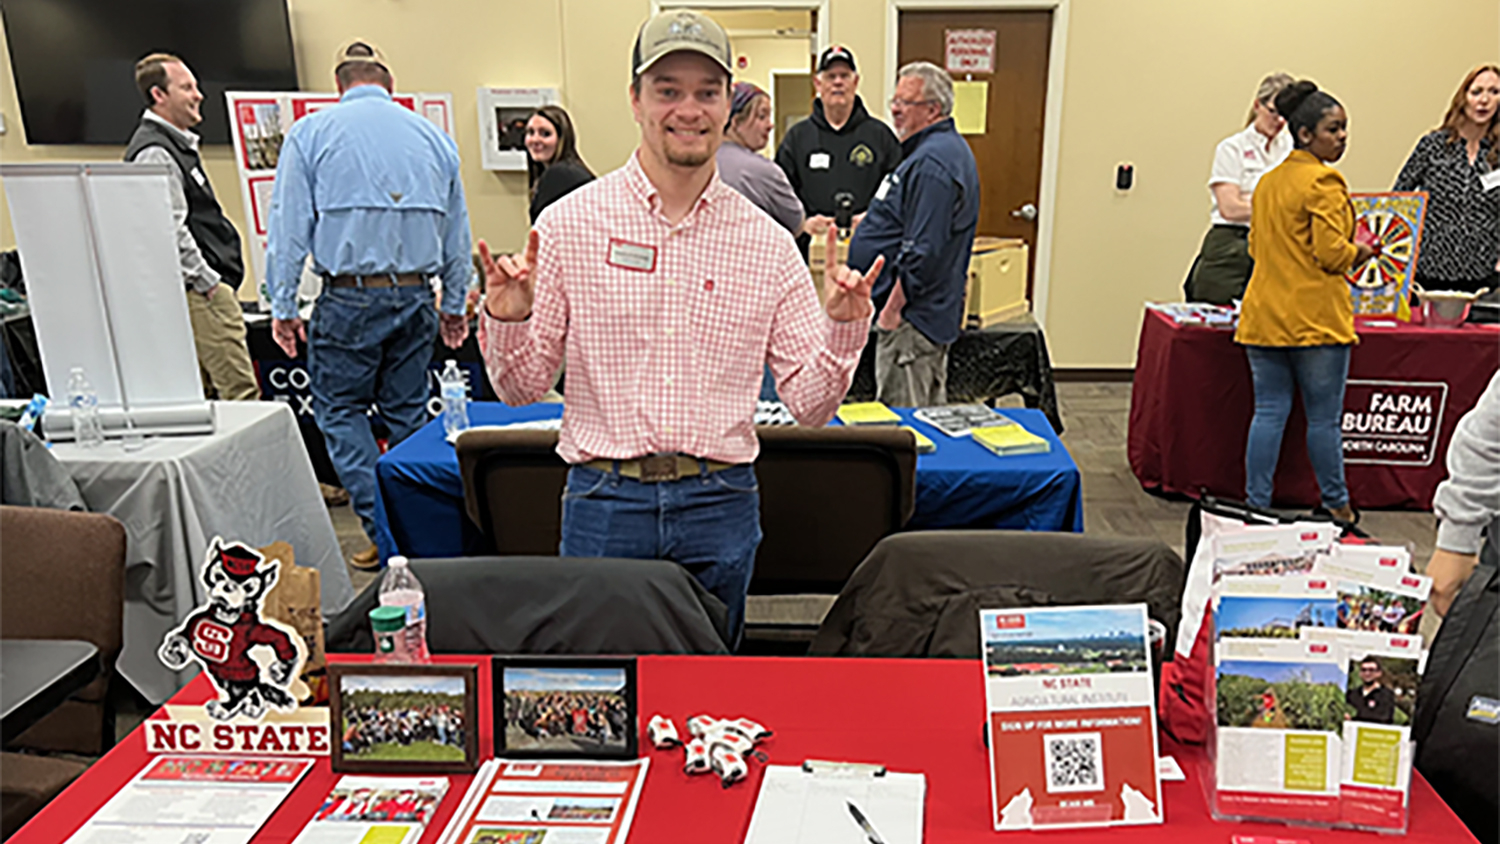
<point x="222" y="634"/>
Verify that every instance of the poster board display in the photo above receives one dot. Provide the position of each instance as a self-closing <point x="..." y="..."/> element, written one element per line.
<point x="106" y="294"/>
<point x="259" y="121"/>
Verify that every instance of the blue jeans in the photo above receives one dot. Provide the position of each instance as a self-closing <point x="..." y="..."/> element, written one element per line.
<point x="369" y="346"/>
<point x="709" y="524"/>
<point x="1319" y="373"/>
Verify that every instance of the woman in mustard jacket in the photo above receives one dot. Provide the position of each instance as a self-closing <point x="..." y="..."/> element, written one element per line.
<point x="1297" y="320"/>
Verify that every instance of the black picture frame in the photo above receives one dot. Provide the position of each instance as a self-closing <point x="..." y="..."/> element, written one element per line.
<point x="509" y="692"/>
<point x="340" y="701"/>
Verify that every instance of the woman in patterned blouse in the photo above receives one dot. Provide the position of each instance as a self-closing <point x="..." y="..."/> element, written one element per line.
<point x="1458" y="165"/>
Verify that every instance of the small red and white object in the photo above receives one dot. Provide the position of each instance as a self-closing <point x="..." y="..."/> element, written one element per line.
<point x="663" y="733"/>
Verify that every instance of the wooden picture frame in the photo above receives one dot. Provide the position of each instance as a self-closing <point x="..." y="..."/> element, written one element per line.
<point x="357" y="691"/>
<point x="608" y="727"/>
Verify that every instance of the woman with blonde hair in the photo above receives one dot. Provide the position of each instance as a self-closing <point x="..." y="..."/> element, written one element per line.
<point x="1458" y="164"/>
<point x="1223" y="266"/>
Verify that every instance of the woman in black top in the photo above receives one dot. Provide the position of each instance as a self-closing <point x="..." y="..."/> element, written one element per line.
<point x="553" y="163"/>
<point x="1459" y="166"/>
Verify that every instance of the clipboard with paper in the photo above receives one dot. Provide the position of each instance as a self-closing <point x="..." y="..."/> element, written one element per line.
<point x="837" y="803"/>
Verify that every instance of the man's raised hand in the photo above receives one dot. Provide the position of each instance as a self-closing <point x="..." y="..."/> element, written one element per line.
<point x="847" y="291"/>
<point x="508" y="283"/>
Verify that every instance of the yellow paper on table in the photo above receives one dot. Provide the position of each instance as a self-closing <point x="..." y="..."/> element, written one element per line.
<point x="867" y="413"/>
<point x="971" y="101"/>
<point x="925" y="445"/>
<point x="1006" y="440"/>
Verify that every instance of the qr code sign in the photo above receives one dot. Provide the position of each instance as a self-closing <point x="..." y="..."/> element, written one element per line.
<point x="1075" y="762"/>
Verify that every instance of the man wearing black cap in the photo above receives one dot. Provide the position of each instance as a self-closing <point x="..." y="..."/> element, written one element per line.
<point x="840" y="153"/>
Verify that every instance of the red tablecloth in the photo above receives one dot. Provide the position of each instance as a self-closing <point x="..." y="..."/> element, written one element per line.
<point x="911" y="715"/>
<point x="1191" y="404"/>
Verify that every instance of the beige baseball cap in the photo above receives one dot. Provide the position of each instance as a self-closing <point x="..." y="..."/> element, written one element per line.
<point x="676" y="30"/>
<point x="359" y="50"/>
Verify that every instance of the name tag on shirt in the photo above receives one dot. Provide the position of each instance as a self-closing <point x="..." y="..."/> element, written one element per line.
<point x="1490" y="180"/>
<point x="885" y="186"/>
<point x="631" y="256"/>
<point x="818" y="161"/>
<point x="199" y="177"/>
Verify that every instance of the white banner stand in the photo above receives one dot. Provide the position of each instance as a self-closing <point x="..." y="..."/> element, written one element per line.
<point x="106" y="292"/>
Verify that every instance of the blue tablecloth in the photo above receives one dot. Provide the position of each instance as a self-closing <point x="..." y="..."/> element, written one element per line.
<point x="960" y="485"/>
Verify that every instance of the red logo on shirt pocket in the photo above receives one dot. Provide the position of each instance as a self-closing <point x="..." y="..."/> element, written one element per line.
<point x="708" y="286"/>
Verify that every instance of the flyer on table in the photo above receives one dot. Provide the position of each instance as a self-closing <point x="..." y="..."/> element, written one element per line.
<point x="556" y="802"/>
<point x="1072" y="717"/>
<point x="205" y="799"/>
<point x="1280" y="717"/>
<point x="371" y="809"/>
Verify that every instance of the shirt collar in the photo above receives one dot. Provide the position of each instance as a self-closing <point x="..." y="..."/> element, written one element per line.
<point x="365" y="92"/>
<point x="911" y="143"/>
<point x="645" y="191"/>
<point x="190" y="138"/>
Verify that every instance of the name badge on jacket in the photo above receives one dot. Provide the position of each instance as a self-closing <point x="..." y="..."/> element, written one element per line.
<point x="885" y="186"/>
<point x="199" y="177"/>
<point x="1490" y="180"/>
<point x="818" y="161"/>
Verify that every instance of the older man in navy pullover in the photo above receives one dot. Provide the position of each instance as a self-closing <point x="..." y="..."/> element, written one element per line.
<point x="922" y="220"/>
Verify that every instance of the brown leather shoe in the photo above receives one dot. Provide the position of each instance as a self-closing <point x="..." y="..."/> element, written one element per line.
<point x="334" y="496"/>
<point x="366" y="560"/>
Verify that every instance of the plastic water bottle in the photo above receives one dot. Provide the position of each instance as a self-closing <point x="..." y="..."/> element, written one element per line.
<point x="455" y="395"/>
<point x="400" y="588"/>
<point x="84" y="404"/>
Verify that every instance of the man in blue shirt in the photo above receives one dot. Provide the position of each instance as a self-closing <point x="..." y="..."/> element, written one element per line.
<point x="922" y="220"/>
<point x="372" y="190"/>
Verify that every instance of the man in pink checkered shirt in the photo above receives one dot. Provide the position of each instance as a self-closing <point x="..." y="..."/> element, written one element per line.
<point x="669" y="291"/>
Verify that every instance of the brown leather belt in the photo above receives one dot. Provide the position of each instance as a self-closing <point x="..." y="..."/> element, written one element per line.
<point x="660" y="467"/>
<point x="381" y="280"/>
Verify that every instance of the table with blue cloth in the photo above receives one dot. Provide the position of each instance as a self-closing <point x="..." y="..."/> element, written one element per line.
<point x="420" y="495"/>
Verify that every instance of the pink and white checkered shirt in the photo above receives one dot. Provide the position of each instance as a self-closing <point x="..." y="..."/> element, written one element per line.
<point x="666" y="327"/>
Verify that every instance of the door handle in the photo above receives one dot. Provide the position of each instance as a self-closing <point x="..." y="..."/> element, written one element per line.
<point x="1025" y="212"/>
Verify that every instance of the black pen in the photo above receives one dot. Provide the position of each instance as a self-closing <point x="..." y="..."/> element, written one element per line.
<point x="859" y="818"/>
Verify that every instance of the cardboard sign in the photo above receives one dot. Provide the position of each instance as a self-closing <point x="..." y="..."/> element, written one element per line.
<point x="189" y="729"/>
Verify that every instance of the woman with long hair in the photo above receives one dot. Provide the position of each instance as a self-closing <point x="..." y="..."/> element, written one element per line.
<point x="1222" y="268"/>
<point x="743" y="168"/>
<point x="1458" y="164"/>
<point x="553" y="165"/>
<point x="1297" y="319"/>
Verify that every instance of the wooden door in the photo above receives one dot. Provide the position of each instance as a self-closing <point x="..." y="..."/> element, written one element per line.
<point x="1009" y="152"/>
<point x="791" y="103"/>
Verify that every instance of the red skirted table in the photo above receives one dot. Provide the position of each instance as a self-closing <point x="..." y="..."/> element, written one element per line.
<point x="1191" y="404"/>
<point x="910" y="715"/>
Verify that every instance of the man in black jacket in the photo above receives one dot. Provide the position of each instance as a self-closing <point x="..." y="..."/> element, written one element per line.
<point x="208" y="247"/>
<point x="840" y="152"/>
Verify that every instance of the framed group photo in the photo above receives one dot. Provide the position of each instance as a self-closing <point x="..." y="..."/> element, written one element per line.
<point x="404" y="719"/>
<point x="562" y="708"/>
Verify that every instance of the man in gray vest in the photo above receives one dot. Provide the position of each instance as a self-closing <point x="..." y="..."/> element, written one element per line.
<point x="208" y="247"/>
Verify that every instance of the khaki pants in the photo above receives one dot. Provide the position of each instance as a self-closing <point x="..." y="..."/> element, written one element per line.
<point x="219" y="335"/>
<point x="910" y="370"/>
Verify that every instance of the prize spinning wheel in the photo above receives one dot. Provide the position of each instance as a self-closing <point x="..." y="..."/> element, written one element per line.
<point x="1395" y="245"/>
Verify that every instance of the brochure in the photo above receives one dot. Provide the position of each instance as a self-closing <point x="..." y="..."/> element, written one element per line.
<point x="391" y="810"/>
<point x="958" y="420"/>
<point x="1280" y="719"/>
<point x="1006" y="440"/>
<point x="1274" y="607"/>
<point x="867" y="413"/>
<point x="556" y="802"/>
<point x="205" y="799"/>
<point x="1071" y="717"/>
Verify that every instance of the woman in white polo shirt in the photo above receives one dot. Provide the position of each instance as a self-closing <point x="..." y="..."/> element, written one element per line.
<point x="1223" y="266"/>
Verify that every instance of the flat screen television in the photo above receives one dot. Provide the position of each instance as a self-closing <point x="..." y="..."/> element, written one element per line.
<point x="74" y="60"/>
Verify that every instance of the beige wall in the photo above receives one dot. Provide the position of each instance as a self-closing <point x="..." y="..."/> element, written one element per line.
<point x="1153" y="82"/>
